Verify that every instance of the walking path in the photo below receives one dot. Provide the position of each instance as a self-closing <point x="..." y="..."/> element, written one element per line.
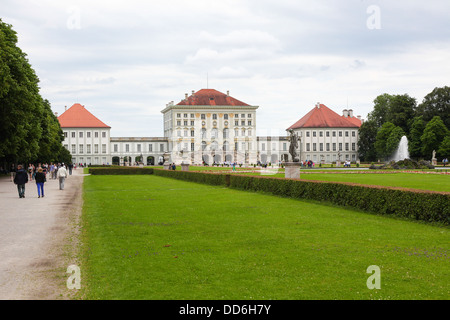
<point x="38" y="238"/>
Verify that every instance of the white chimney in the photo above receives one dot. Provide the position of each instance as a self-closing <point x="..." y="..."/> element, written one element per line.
<point x="65" y="108"/>
<point x="318" y="104"/>
<point x="186" y="96"/>
<point x="350" y="113"/>
<point x="345" y="113"/>
<point x="193" y="91"/>
<point x="228" y="93"/>
<point x="56" y="114"/>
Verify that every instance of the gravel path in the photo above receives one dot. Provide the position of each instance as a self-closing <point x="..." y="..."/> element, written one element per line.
<point x="38" y="238"/>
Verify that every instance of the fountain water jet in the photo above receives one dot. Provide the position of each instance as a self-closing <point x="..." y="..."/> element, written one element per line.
<point x="402" y="152"/>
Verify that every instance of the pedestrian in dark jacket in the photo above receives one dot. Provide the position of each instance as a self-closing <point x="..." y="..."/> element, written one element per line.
<point x="40" y="179"/>
<point x="20" y="179"/>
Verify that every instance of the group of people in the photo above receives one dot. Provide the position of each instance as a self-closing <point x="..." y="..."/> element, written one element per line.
<point x="39" y="174"/>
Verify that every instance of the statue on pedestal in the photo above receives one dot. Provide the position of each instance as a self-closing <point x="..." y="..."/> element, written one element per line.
<point x="293" y="139"/>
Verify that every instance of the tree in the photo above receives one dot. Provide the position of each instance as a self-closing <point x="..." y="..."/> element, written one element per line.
<point x="29" y="131"/>
<point x="382" y="136"/>
<point x="436" y="103"/>
<point x="367" y="137"/>
<point x="397" y="109"/>
<point x="444" y="149"/>
<point x="414" y="138"/>
<point x="433" y="136"/>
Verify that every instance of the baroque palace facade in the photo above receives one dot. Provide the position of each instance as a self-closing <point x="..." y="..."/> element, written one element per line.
<point x="210" y="127"/>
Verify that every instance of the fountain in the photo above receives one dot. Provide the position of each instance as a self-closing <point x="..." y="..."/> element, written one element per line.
<point x="402" y="152"/>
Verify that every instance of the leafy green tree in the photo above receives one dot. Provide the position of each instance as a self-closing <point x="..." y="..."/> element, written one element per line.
<point x="393" y="140"/>
<point x="380" y="110"/>
<point x="366" y="142"/>
<point x="29" y="131"/>
<point x="444" y="149"/>
<point x="402" y="109"/>
<point x="433" y="136"/>
<point x="381" y="139"/>
<point x="436" y="103"/>
<point x="414" y="138"/>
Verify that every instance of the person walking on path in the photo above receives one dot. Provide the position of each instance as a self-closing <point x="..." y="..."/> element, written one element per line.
<point x="62" y="175"/>
<point x="40" y="179"/>
<point x="20" y="179"/>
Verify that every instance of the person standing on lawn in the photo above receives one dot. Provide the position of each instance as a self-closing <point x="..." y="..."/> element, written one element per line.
<point x="62" y="175"/>
<point x="20" y="179"/>
<point x="40" y="179"/>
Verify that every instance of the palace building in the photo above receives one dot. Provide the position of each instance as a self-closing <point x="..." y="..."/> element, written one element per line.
<point x="210" y="127"/>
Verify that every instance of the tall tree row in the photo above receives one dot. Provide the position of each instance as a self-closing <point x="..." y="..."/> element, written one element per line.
<point x="426" y="126"/>
<point x="29" y="131"/>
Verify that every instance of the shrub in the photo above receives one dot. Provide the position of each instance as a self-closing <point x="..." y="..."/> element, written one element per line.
<point x="120" y="171"/>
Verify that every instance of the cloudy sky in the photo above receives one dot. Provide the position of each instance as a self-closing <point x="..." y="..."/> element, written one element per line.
<point x="125" y="60"/>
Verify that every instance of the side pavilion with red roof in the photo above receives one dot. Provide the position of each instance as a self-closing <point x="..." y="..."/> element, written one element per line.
<point x="326" y="136"/>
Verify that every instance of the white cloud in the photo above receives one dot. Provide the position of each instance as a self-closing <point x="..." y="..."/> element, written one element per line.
<point x="128" y="59"/>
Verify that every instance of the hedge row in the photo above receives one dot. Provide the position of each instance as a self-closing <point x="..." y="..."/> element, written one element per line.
<point x="425" y="206"/>
<point x="119" y="170"/>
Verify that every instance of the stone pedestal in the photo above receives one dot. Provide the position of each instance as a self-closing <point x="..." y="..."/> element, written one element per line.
<point x="338" y="163"/>
<point x="292" y="170"/>
<point x="434" y="162"/>
<point x="185" y="167"/>
<point x="166" y="166"/>
<point x="141" y="165"/>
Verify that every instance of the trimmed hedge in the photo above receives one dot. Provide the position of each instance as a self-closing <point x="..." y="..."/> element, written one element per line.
<point x="119" y="170"/>
<point x="426" y="206"/>
<point x="200" y="177"/>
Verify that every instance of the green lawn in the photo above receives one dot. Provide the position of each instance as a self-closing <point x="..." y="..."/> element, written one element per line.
<point x="148" y="237"/>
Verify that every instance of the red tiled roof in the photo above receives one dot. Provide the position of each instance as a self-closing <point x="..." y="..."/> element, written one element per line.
<point x="210" y="97"/>
<point x="323" y="117"/>
<point x="77" y="116"/>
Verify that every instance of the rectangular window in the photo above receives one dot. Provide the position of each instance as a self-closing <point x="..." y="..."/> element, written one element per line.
<point x="249" y="115"/>
<point x="88" y="148"/>
<point x="96" y="134"/>
<point x="138" y="148"/>
<point x="150" y="147"/>
<point x="327" y="133"/>
<point x="88" y="134"/>
<point x="103" y="134"/>
<point x="284" y="146"/>
<point x="334" y="133"/>
<point x="74" y="148"/>
<point x="340" y="146"/>
<point x="214" y="116"/>
<point x="95" y="148"/>
<point x="192" y="146"/>
<point x="307" y="133"/>
<point x="320" y="133"/>
<point x="346" y="133"/>
<point x="185" y="115"/>
<point x="116" y="148"/>
<point x="73" y="134"/>
<point x="225" y="116"/>
<point x="249" y="122"/>
<point x="80" y="134"/>
<point x="353" y="133"/>
<point x="103" y="148"/>
<point x="321" y="146"/>
<point x="236" y="123"/>
<point x="81" y="149"/>
<point x="308" y="147"/>
<point x="178" y="115"/>
<point x="243" y="123"/>
<point x="353" y="146"/>
<point x="334" y="146"/>
<point x="328" y="146"/>
<point x="243" y="115"/>
<point x="185" y="123"/>
<point x="178" y="123"/>
<point x="314" y="147"/>
<point x="346" y="146"/>
<point x="127" y="147"/>
<point x="340" y="133"/>
<point x="192" y="123"/>
<point x="314" y="133"/>
<point x="263" y="147"/>
<point x="203" y="116"/>
<point x="65" y="134"/>
<point x="192" y="133"/>
<point x="161" y="147"/>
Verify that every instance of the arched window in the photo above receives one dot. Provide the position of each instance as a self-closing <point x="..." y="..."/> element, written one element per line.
<point x="226" y="133"/>
<point x="214" y="146"/>
<point x="226" y="146"/>
<point x="203" y="133"/>
<point x="214" y="133"/>
<point x="203" y="145"/>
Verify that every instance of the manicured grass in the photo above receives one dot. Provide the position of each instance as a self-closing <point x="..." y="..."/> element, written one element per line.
<point x="148" y="237"/>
